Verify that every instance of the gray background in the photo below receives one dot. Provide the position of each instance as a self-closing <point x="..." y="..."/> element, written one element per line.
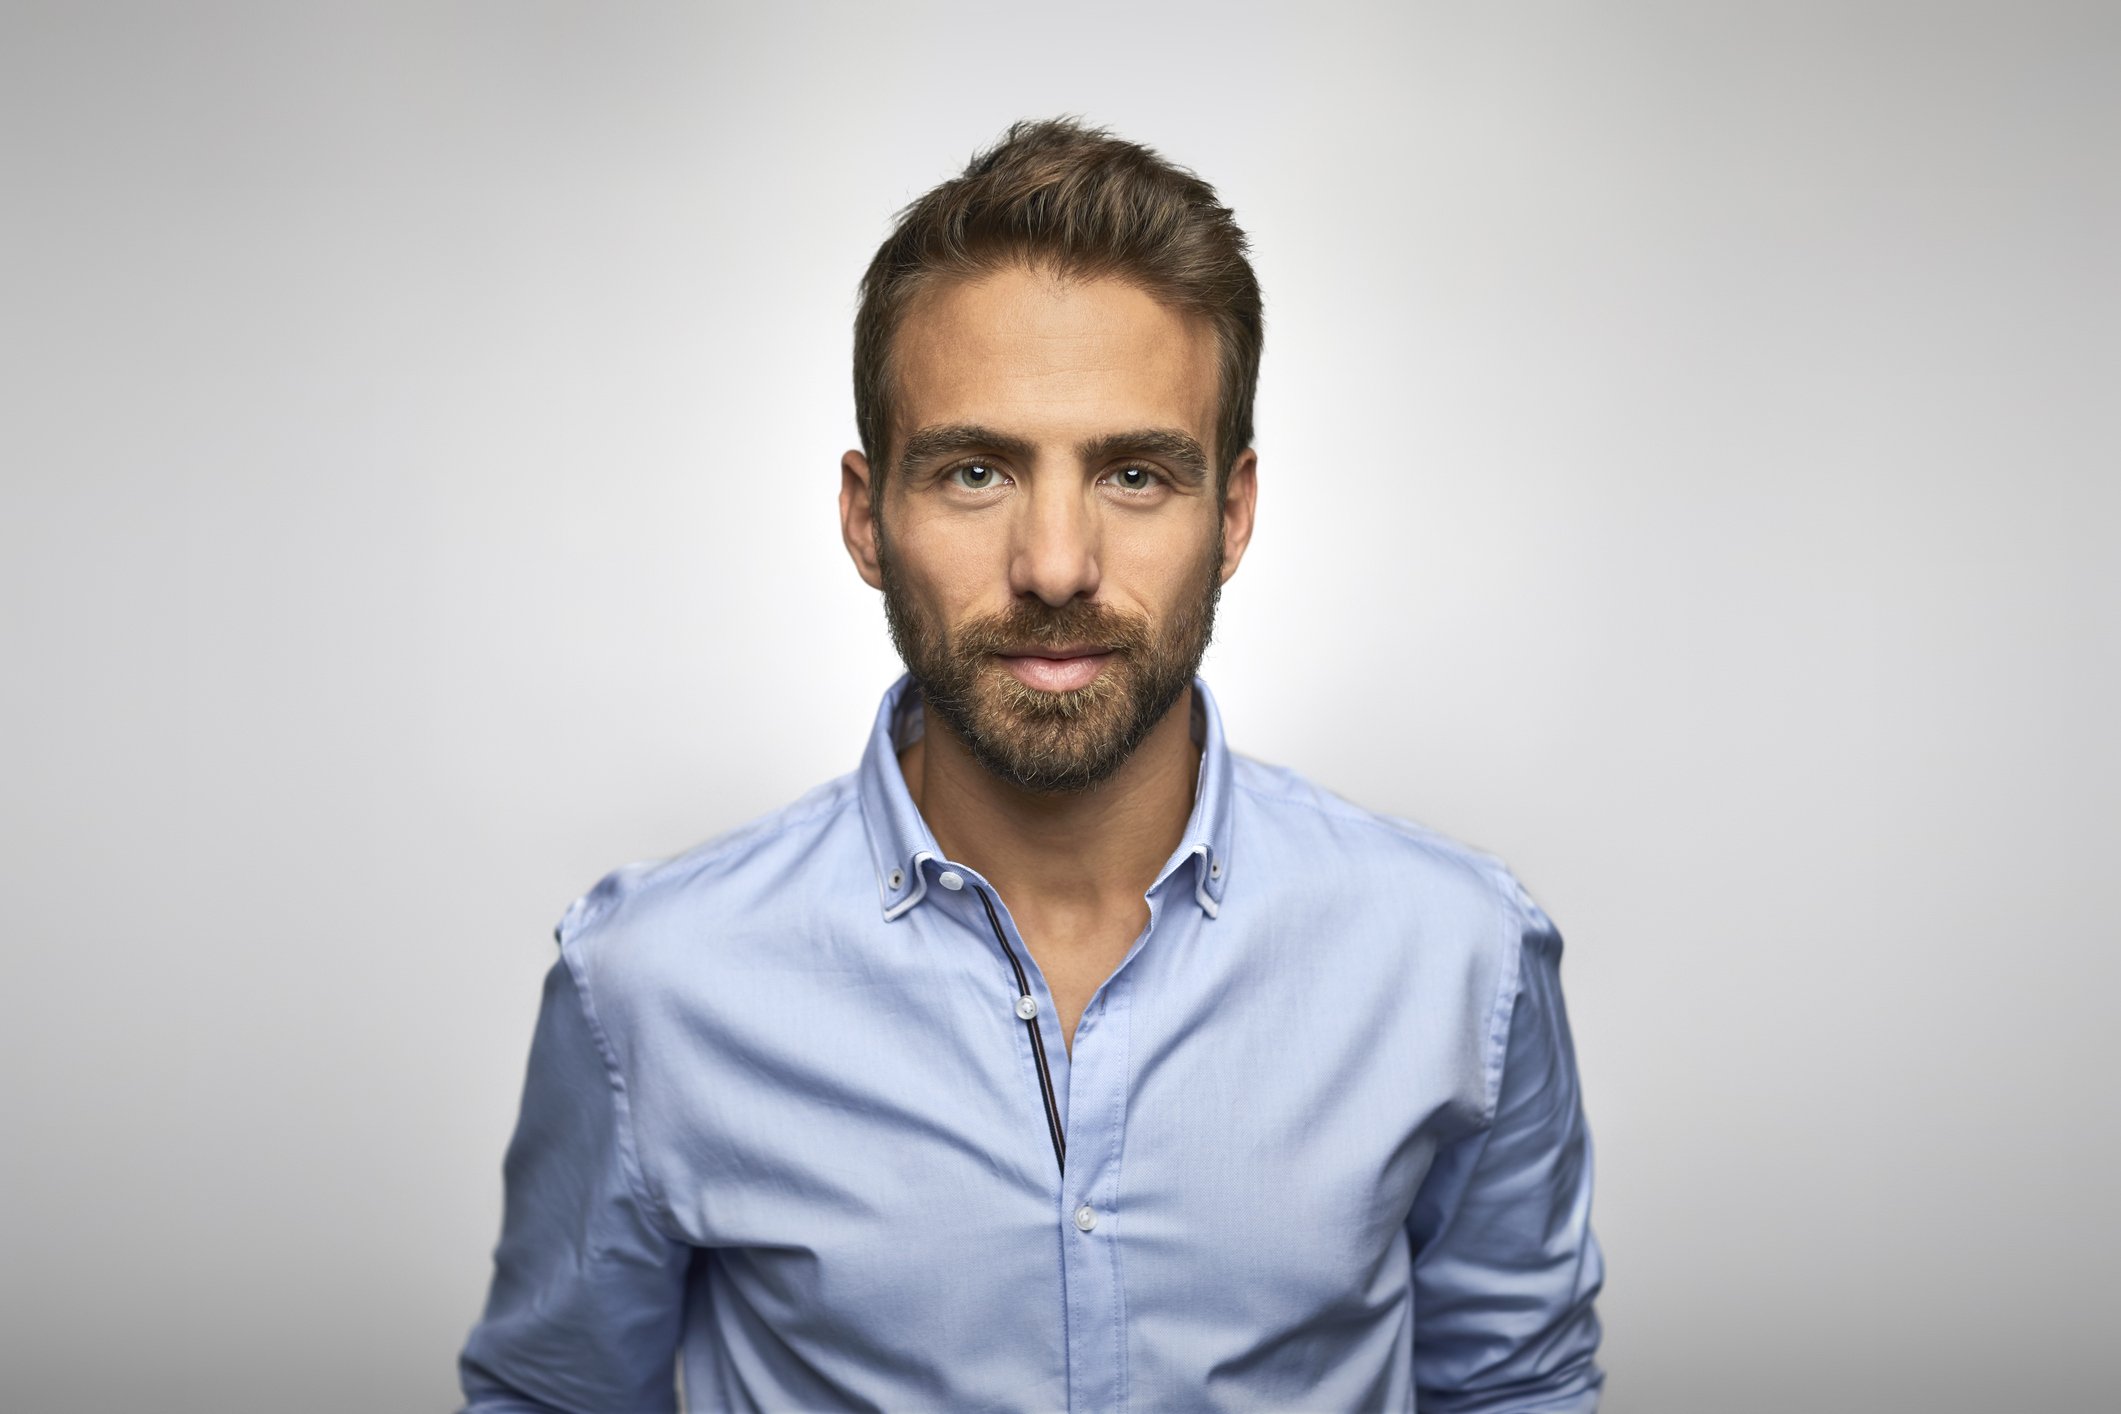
<point x="1688" y="469"/>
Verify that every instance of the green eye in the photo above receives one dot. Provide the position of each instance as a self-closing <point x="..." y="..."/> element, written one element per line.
<point x="1133" y="478"/>
<point x="974" y="476"/>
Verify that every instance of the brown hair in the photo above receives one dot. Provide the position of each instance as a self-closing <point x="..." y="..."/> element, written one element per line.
<point x="1089" y="204"/>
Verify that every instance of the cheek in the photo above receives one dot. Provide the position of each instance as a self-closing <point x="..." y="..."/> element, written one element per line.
<point x="1159" y="563"/>
<point x="950" y="565"/>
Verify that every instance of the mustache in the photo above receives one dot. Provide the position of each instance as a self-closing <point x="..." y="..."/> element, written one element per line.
<point x="1035" y="624"/>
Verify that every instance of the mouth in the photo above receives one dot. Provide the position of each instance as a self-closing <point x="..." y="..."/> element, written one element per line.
<point x="1057" y="669"/>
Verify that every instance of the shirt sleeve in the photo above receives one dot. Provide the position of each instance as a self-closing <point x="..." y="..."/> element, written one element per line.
<point x="584" y="1312"/>
<point x="1505" y="1264"/>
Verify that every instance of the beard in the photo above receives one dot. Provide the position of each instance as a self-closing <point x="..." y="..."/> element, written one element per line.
<point x="1051" y="742"/>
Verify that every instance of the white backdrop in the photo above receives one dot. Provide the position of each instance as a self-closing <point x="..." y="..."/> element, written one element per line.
<point x="1688" y="468"/>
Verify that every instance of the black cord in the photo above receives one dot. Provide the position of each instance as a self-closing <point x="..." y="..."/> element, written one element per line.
<point x="1038" y="1041"/>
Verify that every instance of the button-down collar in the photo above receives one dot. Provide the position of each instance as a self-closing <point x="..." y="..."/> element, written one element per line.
<point x="904" y="850"/>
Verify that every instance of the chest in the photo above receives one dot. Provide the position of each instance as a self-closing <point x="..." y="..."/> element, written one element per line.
<point x="1248" y="1115"/>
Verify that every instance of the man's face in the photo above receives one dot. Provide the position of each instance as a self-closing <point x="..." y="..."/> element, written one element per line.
<point x="1049" y="541"/>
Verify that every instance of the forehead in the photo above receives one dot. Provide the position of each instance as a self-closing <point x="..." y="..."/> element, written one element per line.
<point x="1043" y="357"/>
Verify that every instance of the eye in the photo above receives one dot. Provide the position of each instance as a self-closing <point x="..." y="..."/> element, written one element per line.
<point x="974" y="476"/>
<point x="1134" y="478"/>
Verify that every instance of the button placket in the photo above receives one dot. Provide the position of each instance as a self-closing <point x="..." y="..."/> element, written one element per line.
<point x="1089" y="1203"/>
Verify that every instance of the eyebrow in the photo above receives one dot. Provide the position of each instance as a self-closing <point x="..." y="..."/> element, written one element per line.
<point x="933" y="443"/>
<point x="1180" y="451"/>
<point x="1165" y="444"/>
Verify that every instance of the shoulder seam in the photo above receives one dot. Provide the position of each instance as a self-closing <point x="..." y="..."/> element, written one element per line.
<point x="629" y="1142"/>
<point x="1509" y="979"/>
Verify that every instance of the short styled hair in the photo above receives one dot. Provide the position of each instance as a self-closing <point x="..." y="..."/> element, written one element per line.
<point x="1055" y="193"/>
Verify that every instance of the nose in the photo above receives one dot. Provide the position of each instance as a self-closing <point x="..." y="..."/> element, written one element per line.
<point x="1055" y="543"/>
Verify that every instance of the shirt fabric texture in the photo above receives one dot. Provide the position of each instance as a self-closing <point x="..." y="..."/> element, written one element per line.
<point x="784" y="1137"/>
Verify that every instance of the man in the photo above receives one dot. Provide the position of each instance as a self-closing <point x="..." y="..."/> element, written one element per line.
<point x="1056" y="1058"/>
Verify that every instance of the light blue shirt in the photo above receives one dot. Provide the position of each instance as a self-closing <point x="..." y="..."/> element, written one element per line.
<point x="793" y="1129"/>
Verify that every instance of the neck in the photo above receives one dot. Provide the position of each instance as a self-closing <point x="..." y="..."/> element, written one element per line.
<point x="1095" y="848"/>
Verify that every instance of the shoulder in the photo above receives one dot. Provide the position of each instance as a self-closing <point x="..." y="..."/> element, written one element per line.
<point x="643" y="918"/>
<point x="1375" y="854"/>
<point x="1453" y="906"/>
<point x="1457" y="920"/>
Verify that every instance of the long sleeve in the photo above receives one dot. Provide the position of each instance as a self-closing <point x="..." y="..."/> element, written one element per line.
<point x="1505" y="1264"/>
<point x="588" y="1288"/>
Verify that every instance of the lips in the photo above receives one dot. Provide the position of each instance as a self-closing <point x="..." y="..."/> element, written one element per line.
<point x="1057" y="669"/>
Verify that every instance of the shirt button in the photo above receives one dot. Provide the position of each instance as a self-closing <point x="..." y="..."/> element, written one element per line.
<point x="1086" y="1217"/>
<point x="1027" y="1006"/>
<point x="897" y="878"/>
<point x="951" y="880"/>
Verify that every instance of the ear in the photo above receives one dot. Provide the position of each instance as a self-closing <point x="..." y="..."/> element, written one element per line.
<point x="857" y="521"/>
<point x="1240" y="501"/>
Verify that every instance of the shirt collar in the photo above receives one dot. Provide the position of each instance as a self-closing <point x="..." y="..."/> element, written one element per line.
<point x="905" y="853"/>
